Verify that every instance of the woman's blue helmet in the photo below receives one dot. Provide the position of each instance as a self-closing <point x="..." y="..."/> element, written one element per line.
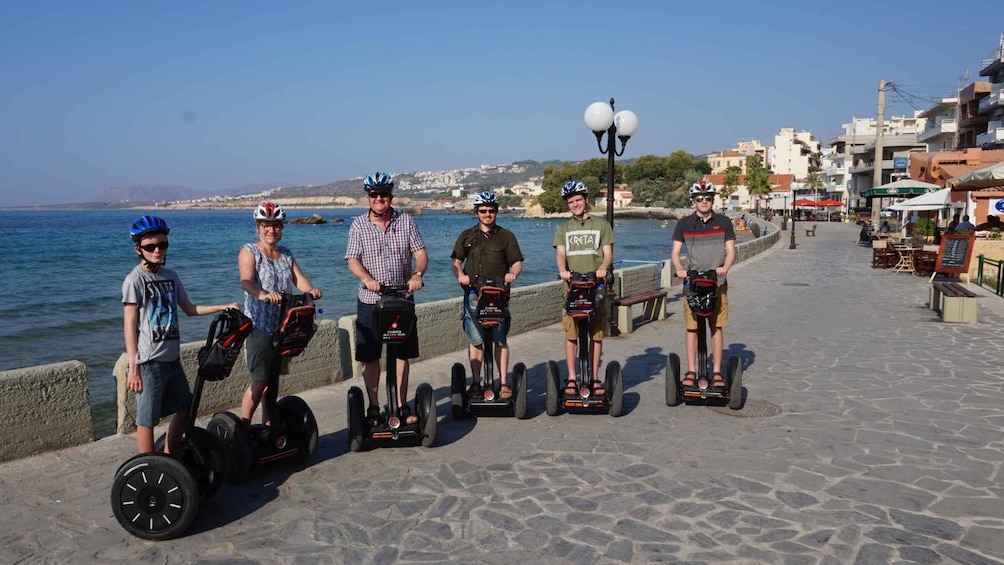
<point x="573" y="187"/>
<point x="486" y="197"/>
<point x="378" y="181"/>
<point x="147" y="225"/>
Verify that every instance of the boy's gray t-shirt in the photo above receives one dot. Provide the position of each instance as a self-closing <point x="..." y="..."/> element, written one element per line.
<point x="157" y="296"/>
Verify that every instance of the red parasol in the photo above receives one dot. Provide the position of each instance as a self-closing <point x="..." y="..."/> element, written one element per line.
<point x="804" y="202"/>
<point x="829" y="202"/>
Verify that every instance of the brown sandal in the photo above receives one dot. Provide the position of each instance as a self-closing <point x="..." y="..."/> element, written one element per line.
<point x="571" y="388"/>
<point x="689" y="379"/>
<point x="717" y="380"/>
<point x="407" y="416"/>
<point x="505" y="393"/>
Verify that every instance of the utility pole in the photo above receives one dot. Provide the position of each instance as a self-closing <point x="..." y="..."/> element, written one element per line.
<point x="877" y="173"/>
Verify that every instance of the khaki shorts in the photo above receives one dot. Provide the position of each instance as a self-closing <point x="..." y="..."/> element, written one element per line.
<point x="597" y="323"/>
<point x="718" y="319"/>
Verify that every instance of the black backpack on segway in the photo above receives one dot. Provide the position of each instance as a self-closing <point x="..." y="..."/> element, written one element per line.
<point x="156" y="496"/>
<point x="492" y="307"/>
<point x="700" y="290"/>
<point x="581" y="302"/>
<point x="293" y="431"/>
<point x="393" y="321"/>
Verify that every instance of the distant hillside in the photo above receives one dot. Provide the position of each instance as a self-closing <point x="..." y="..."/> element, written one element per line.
<point x="148" y="194"/>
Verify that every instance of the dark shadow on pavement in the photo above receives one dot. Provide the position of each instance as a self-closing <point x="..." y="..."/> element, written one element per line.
<point x="746" y="356"/>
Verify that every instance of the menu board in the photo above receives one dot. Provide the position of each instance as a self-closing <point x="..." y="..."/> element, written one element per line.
<point x="954" y="254"/>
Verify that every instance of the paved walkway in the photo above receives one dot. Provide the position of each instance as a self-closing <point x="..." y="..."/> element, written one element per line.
<point x="888" y="449"/>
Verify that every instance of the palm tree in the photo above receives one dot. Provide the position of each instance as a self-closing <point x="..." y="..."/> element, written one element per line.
<point x="731" y="184"/>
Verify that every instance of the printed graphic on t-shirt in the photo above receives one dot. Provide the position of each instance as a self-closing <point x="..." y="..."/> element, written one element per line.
<point x="582" y="242"/>
<point x="163" y="310"/>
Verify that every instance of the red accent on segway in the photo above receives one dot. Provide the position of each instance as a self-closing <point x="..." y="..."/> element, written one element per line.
<point x="393" y="315"/>
<point x="492" y="304"/>
<point x="581" y="299"/>
<point x="223" y="344"/>
<point x="702" y="293"/>
<point x="297" y="326"/>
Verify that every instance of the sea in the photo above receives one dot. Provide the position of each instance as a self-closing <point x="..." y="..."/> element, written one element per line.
<point x="62" y="270"/>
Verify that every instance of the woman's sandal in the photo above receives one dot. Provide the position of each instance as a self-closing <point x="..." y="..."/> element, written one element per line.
<point x="505" y="393"/>
<point x="689" y="379"/>
<point x="373" y="416"/>
<point x="407" y="415"/>
<point x="571" y="388"/>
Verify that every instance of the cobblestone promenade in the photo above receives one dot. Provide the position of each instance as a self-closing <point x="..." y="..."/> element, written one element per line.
<point x="887" y="448"/>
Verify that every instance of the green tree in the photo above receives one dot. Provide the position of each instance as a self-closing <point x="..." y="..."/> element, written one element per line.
<point x="731" y="184"/>
<point x="677" y="199"/>
<point x="758" y="184"/>
<point x="814" y="182"/>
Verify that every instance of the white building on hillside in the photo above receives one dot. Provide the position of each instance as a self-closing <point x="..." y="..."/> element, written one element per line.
<point x="793" y="153"/>
<point x="940" y="131"/>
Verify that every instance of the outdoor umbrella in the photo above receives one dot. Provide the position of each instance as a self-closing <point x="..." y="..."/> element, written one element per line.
<point x="804" y="202"/>
<point x="987" y="177"/>
<point x="829" y="203"/>
<point x="905" y="187"/>
<point x="930" y="201"/>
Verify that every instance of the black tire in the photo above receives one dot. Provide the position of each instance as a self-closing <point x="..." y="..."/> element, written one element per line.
<point x="356" y="417"/>
<point x="519" y="391"/>
<point x="615" y="388"/>
<point x="235" y="437"/>
<point x="458" y="392"/>
<point x="673" y="380"/>
<point x="553" y="404"/>
<point x="154" y="496"/>
<point x="205" y="457"/>
<point x="300" y="424"/>
<point x="425" y="403"/>
<point x="735" y="376"/>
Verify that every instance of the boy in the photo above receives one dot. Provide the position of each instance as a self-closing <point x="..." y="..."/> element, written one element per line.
<point x="151" y="296"/>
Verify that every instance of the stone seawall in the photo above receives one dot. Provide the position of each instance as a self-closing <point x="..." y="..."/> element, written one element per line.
<point x="47" y="407"/>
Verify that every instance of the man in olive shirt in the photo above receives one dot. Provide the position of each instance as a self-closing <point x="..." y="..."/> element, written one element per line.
<point x="486" y="251"/>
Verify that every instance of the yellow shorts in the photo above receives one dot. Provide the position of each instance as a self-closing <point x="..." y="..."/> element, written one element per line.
<point x="719" y="318"/>
<point x="597" y="323"/>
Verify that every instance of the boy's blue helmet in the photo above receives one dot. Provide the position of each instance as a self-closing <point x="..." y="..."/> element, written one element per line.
<point x="146" y="225"/>
<point x="573" y="187"/>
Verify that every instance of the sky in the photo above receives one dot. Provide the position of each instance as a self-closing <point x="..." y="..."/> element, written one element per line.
<point x="217" y="95"/>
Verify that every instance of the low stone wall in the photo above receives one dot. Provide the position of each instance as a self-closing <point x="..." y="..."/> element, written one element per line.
<point x="318" y="366"/>
<point x="45" y="407"/>
<point x="54" y="398"/>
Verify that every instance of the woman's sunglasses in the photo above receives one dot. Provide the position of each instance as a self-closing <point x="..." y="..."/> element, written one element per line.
<point x="151" y="246"/>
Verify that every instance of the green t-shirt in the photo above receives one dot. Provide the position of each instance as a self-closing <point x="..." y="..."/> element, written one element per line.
<point x="583" y="242"/>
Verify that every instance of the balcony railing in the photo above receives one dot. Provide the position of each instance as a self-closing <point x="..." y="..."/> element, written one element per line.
<point x="996" y="97"/>
<point x="938" y="127"/>
<point x="993" y="58"/>
<point x="994" y="135"/>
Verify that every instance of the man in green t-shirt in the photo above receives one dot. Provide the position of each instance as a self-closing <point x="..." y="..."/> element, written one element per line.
<point x="584" y="244"/>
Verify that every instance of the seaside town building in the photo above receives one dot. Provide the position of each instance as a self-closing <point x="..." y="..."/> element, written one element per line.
<point x="992" y="105"/>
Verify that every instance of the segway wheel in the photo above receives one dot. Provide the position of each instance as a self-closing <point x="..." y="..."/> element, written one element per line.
<point x="615" y="388"/>
<point x="673" y="380"/>
<point x="519" y="391"/>
<point x="735" y="376"/>
<point x="553" y="404"/>
<point x="299" y="422"/>
<point x="154" y="496"/>
<point x="458" y="392"/>
<point x="233" y="435"/>
<point x="205" y="457"/>
<point x="356" y="417"/>
<point x="425" y="402"/>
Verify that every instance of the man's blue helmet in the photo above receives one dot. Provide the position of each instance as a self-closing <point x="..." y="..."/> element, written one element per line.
<point x="573" y="187"/>
<point x="486" y="197"/>
<point x="146" y="225"/>
<point x="378" y="181"/>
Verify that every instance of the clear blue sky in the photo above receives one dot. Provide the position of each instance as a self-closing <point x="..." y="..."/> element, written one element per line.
<point x="216" y="95"/>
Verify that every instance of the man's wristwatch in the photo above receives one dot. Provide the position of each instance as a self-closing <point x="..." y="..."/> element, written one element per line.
<point x="419" y="273"/>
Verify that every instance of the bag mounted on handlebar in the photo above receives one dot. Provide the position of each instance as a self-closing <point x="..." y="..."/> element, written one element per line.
<point x="492" y="305"/>
<point x="223" y="344"/>
<point x="297" y="326"/>
<point x="702" y="294"/>
<point x="581" y="299"/>
<point x="393" y="318"/>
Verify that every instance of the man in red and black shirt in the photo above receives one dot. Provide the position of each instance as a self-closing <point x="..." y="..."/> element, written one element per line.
<point x="711" y="244"/>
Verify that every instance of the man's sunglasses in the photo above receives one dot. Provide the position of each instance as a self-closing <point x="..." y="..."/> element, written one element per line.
<point x="151" y="246"/>
<point x="487" y="210"/>
<point x="379" y="195"/>
<point x="703" y="197"/>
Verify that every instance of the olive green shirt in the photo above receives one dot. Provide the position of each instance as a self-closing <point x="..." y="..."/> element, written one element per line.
<point x="488" y="254"/>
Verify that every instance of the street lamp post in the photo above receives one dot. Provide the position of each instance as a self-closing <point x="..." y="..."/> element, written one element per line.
<point x="601" y="119"/>
<point x="794" y="186"/>
<point x="784" y="214"/>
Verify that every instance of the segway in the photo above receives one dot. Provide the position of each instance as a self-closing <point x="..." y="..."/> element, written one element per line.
<point x="701" y="292"/>
<point x="292" y="433"/>
<point x="156" y="496"/>
<point x="492" y="308"/>
<point x="584" y="297"/>
<point x="393" y="321"/>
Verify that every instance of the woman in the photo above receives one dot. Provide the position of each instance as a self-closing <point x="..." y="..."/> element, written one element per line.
<point x="268" y="270"/>
<point x="885" y="227"/>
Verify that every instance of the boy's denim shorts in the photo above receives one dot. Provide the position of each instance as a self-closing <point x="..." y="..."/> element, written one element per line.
<point x="165" y="392"/>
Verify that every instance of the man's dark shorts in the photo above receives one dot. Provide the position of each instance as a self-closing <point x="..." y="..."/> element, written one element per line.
<point x="368" y="347"/>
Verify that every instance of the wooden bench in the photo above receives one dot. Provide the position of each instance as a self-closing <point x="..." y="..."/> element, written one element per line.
<point x="953" y="302"/>
<point x="655" y="308"/>
<point x="811" y="232"/>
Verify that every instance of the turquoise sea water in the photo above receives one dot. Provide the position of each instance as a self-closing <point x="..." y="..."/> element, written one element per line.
<point x="63" y="272"/>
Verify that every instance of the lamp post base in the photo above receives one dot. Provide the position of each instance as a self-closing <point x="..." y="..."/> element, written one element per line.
<point x="792" y="246"/>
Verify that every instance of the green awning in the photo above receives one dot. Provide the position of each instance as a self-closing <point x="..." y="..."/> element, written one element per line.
<point x="891" y="192"/>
